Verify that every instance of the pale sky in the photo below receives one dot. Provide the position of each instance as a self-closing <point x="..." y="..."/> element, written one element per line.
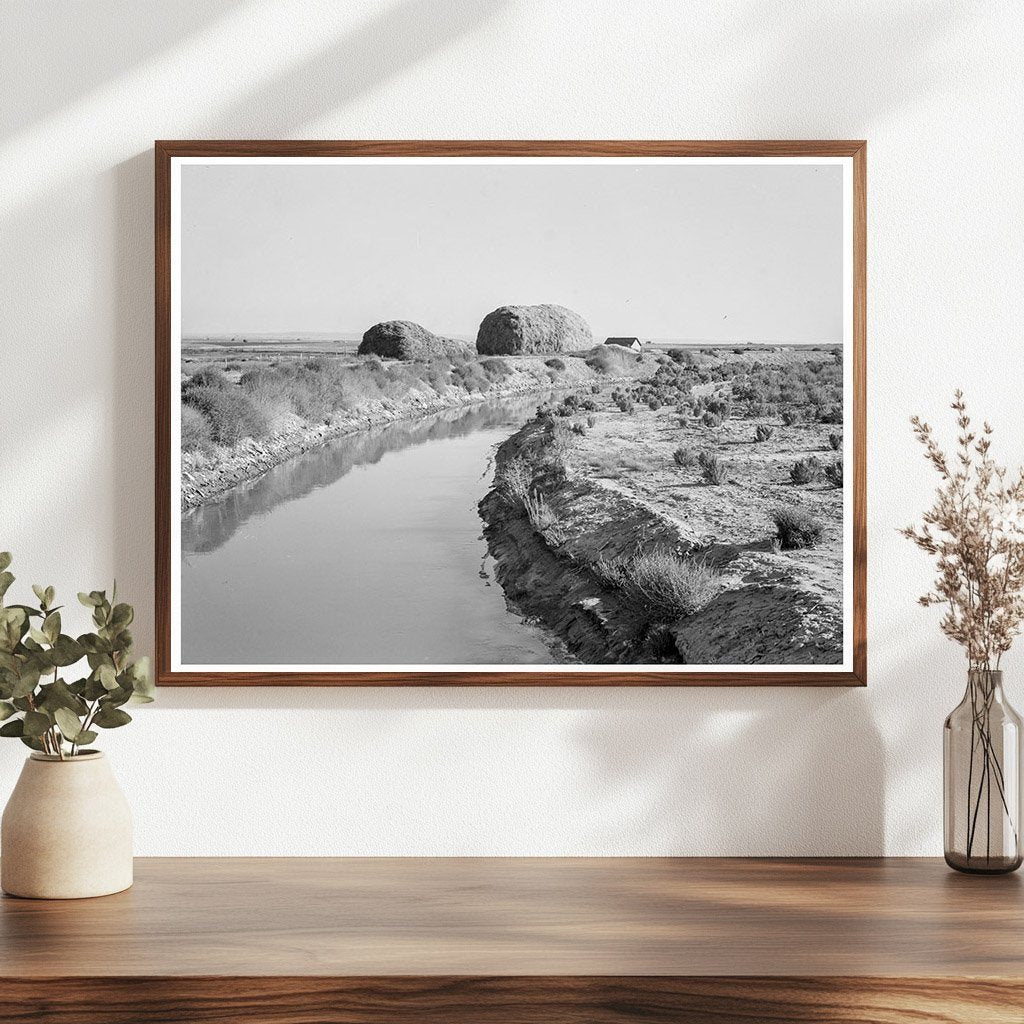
<point x="716" y="253"/>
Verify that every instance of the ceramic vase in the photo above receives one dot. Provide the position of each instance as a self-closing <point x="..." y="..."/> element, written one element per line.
<point x="66" y="831"/>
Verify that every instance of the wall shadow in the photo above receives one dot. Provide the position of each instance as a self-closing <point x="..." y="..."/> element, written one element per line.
<point x="49" y="46"/>
<point x="390" y="42"/>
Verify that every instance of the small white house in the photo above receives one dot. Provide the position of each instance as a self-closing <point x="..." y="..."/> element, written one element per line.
<point x="634" y="344"/>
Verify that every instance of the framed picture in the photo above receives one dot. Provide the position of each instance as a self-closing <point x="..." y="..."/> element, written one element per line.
<point x="527" y="413"/>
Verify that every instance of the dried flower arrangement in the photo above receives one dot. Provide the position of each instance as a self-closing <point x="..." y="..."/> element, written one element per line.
<point x="976" y="531"/>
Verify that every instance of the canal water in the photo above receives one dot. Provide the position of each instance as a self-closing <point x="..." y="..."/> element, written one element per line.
<point x="367" y="551"/>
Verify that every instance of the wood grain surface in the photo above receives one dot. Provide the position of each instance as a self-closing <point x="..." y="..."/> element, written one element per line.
<point x="167" y="505"/>
<point x="506" y="916"/>
<point x="304" y="941"/>
<point x="518" y="1000"/>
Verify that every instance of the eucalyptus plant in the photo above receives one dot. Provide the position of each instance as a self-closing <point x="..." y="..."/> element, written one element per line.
<point x="37" y="704"/>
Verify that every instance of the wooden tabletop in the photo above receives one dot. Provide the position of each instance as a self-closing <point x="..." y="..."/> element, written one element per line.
<point x="510" y="917"/>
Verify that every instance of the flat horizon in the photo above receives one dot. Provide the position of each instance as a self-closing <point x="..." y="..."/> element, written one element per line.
<point x="599" y="338"/>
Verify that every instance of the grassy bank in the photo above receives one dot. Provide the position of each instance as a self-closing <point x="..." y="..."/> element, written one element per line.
<point x="238" y="421"/>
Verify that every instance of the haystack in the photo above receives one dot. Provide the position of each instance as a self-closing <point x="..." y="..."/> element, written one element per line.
<point x="403" y="339"/>
<point x="525" y="330"/>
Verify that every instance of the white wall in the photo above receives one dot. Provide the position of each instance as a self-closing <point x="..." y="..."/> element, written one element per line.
<point x="935" y="86"/>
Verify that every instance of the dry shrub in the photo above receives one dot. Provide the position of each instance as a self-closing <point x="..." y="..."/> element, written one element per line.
<point x="668" y="586"/>
<point x="195" y="430"/>
<point x="561" y="439"/>
<point x="207" y="377"/>
<point x="515" y="480"/>
<point x="712" y="469"/>
<point x="470" y="375"/>
<point x="610" y="359"/>
<point x="495" y="368"/>
<point x="796" y="528"/>
<point x="544" y="519"/>
<point x="763" y="432"/>
<point x="683" y="356"/>
<point x="684" y="457"/>
<point x="806" y="471"/>
<point x="834" y="473"/>
<point x="231" y="414"/>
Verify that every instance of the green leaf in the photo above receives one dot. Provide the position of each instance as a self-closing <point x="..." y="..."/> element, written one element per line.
<point x="144" y="690"/>
<point x="5" y="560"/>
<point x="89" y="600"/>
<point x="59" y="695"/>
<point x="107" y="676"/>
<point x="50" y="594"/>
<point x="38" y="635"/>
<point x="69" y="724"/>
<point x="115" y="698"/>
<point x="86" y="736"/>
<point x="122" y="616"/>
<point x="51" y="626"/>
<point x="92" y="644"/>
<point x="32" y="613"/>
<point x="28" y="680"/>
<point x="6" y="579"/>
<point x="40" y="593"/>
<point x="13" y="728"/>
<point x="36" y="723"/>
<point x="94" y="689"/>
<point x="6" y="710"/>
<point x="31" y="741"/>
<point x="66" y="651"/>
<point x="109" y="717"/>
<point x="13" y="623"/>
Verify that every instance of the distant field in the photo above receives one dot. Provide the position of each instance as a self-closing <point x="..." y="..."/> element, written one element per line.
<point x="663" y="344"/>
<point x="243" y="350"/>
<point x="220" y="350"/>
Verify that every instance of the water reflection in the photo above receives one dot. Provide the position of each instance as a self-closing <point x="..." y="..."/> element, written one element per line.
<point x="209" y="526"/>
<point x="366" y="551"/>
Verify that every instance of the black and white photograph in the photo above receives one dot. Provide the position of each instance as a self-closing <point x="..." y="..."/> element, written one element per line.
<point x="511" y="414"/>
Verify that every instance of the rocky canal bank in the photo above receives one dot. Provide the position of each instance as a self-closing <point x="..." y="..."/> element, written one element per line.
<point x="206" y="475"/>
<point x="577" y="523"/>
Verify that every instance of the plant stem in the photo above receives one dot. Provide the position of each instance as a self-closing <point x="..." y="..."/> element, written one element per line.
<point x="58" y="739"/>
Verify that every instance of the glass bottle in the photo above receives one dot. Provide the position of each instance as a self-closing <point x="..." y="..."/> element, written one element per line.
<point x="981" y="772"/>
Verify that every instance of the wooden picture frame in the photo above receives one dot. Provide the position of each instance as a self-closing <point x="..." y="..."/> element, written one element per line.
<point x="852" y="672"/>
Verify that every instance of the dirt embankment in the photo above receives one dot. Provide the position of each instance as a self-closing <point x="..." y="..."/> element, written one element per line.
<point x="615" y="492"/>
<point x="205" y="475"/>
